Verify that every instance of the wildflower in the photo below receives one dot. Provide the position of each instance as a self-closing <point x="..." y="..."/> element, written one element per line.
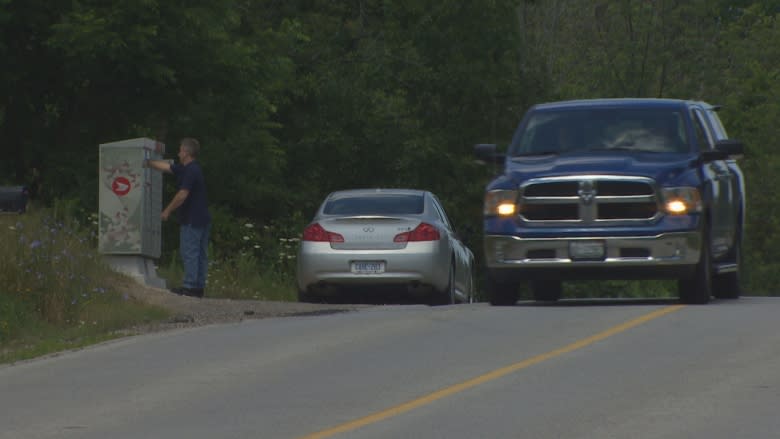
<point x="12" y="227"/>
<point x="246" y="238"/>
<point x="257" y="246"/>
<point x="35" y="244"/>
<point x="249" y="225"/>
<point x="294" y="239"/>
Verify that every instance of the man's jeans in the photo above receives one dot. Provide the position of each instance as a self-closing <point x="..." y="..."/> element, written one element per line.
<point x="194" y="245"/>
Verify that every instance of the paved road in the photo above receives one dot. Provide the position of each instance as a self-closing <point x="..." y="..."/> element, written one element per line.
<point x="599" y="369"/>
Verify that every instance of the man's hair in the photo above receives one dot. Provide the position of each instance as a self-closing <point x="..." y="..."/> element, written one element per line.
<point x="192" y="146"/>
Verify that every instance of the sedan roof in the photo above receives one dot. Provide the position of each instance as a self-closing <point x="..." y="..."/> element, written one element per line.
<point x="375" y="191"/>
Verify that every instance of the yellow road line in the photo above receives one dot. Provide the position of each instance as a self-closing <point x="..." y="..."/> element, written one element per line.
<point x="490" y="376"/>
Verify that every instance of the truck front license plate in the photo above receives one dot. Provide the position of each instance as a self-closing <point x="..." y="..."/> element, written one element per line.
<point x="587" y="250"/>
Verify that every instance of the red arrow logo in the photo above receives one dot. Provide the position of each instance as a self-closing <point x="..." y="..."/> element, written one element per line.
<point x="121" y="186"/>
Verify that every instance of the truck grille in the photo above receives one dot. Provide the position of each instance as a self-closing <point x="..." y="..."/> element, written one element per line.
<point x="588" y="199"/>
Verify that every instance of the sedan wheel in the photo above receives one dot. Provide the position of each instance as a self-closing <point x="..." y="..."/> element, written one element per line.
<point x="447" y="296"/>
<point x="307" y="297"/>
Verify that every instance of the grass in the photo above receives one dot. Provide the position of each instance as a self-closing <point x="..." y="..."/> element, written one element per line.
<point x="56" y="293"/>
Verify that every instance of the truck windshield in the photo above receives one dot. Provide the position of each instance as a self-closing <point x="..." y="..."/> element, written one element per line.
<point x="561" y="131"/>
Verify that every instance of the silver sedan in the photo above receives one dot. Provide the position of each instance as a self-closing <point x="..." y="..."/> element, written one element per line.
<point x="384" y="237"/>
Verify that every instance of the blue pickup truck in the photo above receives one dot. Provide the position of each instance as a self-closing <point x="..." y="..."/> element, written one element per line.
<point x="615" y="189"/>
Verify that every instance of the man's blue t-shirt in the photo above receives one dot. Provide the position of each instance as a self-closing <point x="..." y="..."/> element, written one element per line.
<point x="194" y="211"/>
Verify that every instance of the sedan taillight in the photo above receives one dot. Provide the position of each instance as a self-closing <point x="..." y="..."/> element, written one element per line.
<point x="423" y="232"/>
<point x="315" y="232"/>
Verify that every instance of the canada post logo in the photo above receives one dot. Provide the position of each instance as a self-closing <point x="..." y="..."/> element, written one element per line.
<point x="587" y="191"/>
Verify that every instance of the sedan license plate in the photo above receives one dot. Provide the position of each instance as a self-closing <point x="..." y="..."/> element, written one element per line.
<point x="587" y="250"/>
<point x="368" y="267"/>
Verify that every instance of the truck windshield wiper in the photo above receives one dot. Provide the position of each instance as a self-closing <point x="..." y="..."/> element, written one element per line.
<point x="536" y="153"/>
<point x="624" y="148"/>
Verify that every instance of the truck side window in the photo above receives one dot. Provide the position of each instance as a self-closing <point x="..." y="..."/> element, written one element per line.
<point x="717" y="125"/>
<point x="702" y="138"/>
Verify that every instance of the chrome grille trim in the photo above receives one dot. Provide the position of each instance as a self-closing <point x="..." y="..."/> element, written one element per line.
<point x="639" y="196"/>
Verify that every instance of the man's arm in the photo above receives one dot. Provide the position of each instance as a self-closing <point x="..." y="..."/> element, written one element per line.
<point x="160" y="165"/>
<point x="177" y="200"/>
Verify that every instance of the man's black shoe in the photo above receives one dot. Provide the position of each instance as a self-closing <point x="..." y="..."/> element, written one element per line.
<point x="194" y="292"/>
<point x="191" y="292"/>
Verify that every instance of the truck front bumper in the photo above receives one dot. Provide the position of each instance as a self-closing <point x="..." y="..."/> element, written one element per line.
<point x="660" y="256"/>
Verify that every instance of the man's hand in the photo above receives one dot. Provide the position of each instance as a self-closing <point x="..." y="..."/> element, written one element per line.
<point x="164" y="215"/>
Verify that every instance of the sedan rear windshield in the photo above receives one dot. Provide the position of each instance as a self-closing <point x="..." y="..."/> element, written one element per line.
<point x="376" y="205"/>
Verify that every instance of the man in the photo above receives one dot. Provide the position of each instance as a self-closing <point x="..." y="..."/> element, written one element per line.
<point x="194" y="218"/>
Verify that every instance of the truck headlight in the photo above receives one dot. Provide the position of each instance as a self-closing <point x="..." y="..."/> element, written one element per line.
<point x="500" y="203"/>
<point x="681" y="200"/>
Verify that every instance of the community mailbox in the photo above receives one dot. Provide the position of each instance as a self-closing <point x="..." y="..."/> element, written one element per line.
<point x="130" y="203"/>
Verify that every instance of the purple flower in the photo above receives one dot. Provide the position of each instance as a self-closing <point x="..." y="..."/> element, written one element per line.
<point x="35" y="244"/>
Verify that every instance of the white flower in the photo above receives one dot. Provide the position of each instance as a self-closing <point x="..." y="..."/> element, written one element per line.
<point x="257" y="246"/>
<point x="12" y="227"/>
<point x="246" y="238"/>
<point x="249" y="225"/>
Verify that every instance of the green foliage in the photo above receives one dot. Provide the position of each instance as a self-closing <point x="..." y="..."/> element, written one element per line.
<point x="292" y="100"/>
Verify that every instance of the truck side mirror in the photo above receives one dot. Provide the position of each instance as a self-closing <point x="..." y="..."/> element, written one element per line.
<point x="486" y="153"/>
<point x="725" y="149"/>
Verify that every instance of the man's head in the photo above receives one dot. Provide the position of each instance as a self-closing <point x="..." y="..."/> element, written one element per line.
<point x="188" y="149"/>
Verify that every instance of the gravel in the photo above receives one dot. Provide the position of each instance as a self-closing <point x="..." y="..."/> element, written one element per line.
<point x="191" y="311"/>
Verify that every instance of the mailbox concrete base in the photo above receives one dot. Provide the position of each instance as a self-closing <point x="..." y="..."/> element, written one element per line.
<point x="140" y="268"/>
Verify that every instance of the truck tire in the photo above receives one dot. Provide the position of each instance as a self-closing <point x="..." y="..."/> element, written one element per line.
<point x="698" y="289"/>
<point x="728" y="285"/>
<point x="500" y="293"/>
<point x="547" y="290"/>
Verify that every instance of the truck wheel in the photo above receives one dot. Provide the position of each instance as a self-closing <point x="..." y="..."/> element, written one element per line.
<point x="698" y="289"/>
<point x="728" y="285"/>
<point x="500" y="293"/>
<point x="547" y="290"/>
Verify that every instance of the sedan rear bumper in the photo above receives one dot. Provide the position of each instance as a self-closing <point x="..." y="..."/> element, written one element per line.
<point x="419" y="264"/>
